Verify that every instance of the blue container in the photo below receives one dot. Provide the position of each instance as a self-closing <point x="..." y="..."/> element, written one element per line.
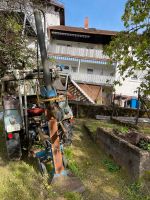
<point x="134" y="103"/>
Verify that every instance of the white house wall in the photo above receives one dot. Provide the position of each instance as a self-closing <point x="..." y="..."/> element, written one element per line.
<point x="130" y="85"/>
<point x="52" y="17"/>
<point x="128" y="88"/>
<point x="98" y="69"/>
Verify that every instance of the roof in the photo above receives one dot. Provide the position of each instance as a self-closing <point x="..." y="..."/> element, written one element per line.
<point x="83" y="30"/>
<point x="56" y="3"/>
<point x="76" y="34"/>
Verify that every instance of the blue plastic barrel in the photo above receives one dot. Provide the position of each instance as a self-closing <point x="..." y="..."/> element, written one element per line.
<point x="133" y="103"/>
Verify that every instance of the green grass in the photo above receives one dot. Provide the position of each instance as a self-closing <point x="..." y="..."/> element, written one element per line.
<point x="102" y="178"/>
<point x="108" y="126"/>
<point x="73" y="196"/>
<point x="145" y="128"/>
<point x="21" y="180"/>
<point x="111" y="165"/>
<point x="136" y="191"/>
<point x="71" y="162"/>
<point x="93" y="124"/>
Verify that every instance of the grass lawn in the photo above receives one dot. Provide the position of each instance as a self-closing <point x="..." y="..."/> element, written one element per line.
<point x="21" y="180"/>
<point x="102" y="178"/>
<point x="93" y="124"/>
<point x="145" y="128"/>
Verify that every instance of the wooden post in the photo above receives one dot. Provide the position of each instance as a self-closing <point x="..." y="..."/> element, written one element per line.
<point x="138" y="107"/>
<point x="54" y="139"/>
<point x="113" y="106"/>
<point x="101" y="95"/>
<point x="55" y="142"/>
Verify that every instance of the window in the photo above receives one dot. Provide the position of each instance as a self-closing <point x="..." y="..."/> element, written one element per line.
<point x="90" y="71"/>
<point x="74" y="69"/>
<point x="134" y="77"/>
<point x="68" y="45"/>
<point x="90" y="47"/>
<point x="66" y="67"/>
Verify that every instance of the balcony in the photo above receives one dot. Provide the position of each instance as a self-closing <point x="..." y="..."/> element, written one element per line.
<point x="79" y="52"/>
<point x="93" y="79"/>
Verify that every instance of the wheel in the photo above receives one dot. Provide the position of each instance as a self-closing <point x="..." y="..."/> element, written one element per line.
<point x="42" y="168"/>
<point x="14" y="147"/>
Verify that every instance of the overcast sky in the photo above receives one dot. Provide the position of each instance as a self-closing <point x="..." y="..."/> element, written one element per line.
<point x="103" y="14"/>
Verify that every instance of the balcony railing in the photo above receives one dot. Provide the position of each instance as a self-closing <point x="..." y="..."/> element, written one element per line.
<point x="92" y="78"/>
<point x="77" y="51"/>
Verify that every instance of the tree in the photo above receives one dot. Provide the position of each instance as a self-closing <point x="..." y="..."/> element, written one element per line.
<point x="130" y="49"/>
<point x="14" y="50"/>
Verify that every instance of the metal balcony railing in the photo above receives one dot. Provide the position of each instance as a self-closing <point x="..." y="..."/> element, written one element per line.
<point x="77" y="51"/>
<point x="92" y="78"/>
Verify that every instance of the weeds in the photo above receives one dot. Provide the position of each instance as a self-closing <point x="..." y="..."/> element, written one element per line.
<point x="110" y="165"/>
<point x="134" y="191"/>
<point x="68" y="153"/>
<point x="94" y="124"/>
<point x="144" y="144"/>
<point x="123" y="129"/>
<point x="73" y="166"/>
<point x="72" y="196"/>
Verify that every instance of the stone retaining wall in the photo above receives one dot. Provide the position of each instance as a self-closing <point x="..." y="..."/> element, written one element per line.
<point x="131" y="158"/>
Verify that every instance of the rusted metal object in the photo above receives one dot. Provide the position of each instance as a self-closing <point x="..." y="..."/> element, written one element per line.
<point x="55" y="142"/>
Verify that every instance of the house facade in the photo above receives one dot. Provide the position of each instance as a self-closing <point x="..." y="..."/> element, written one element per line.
<point x="80" y="52"/>
<point x="129" y="86"/>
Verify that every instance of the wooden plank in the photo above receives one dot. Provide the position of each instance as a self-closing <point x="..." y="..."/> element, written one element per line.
<point x="55" y="142"/>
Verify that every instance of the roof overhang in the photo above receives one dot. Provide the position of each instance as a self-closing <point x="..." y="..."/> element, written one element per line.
<point x="81" y="34"/>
